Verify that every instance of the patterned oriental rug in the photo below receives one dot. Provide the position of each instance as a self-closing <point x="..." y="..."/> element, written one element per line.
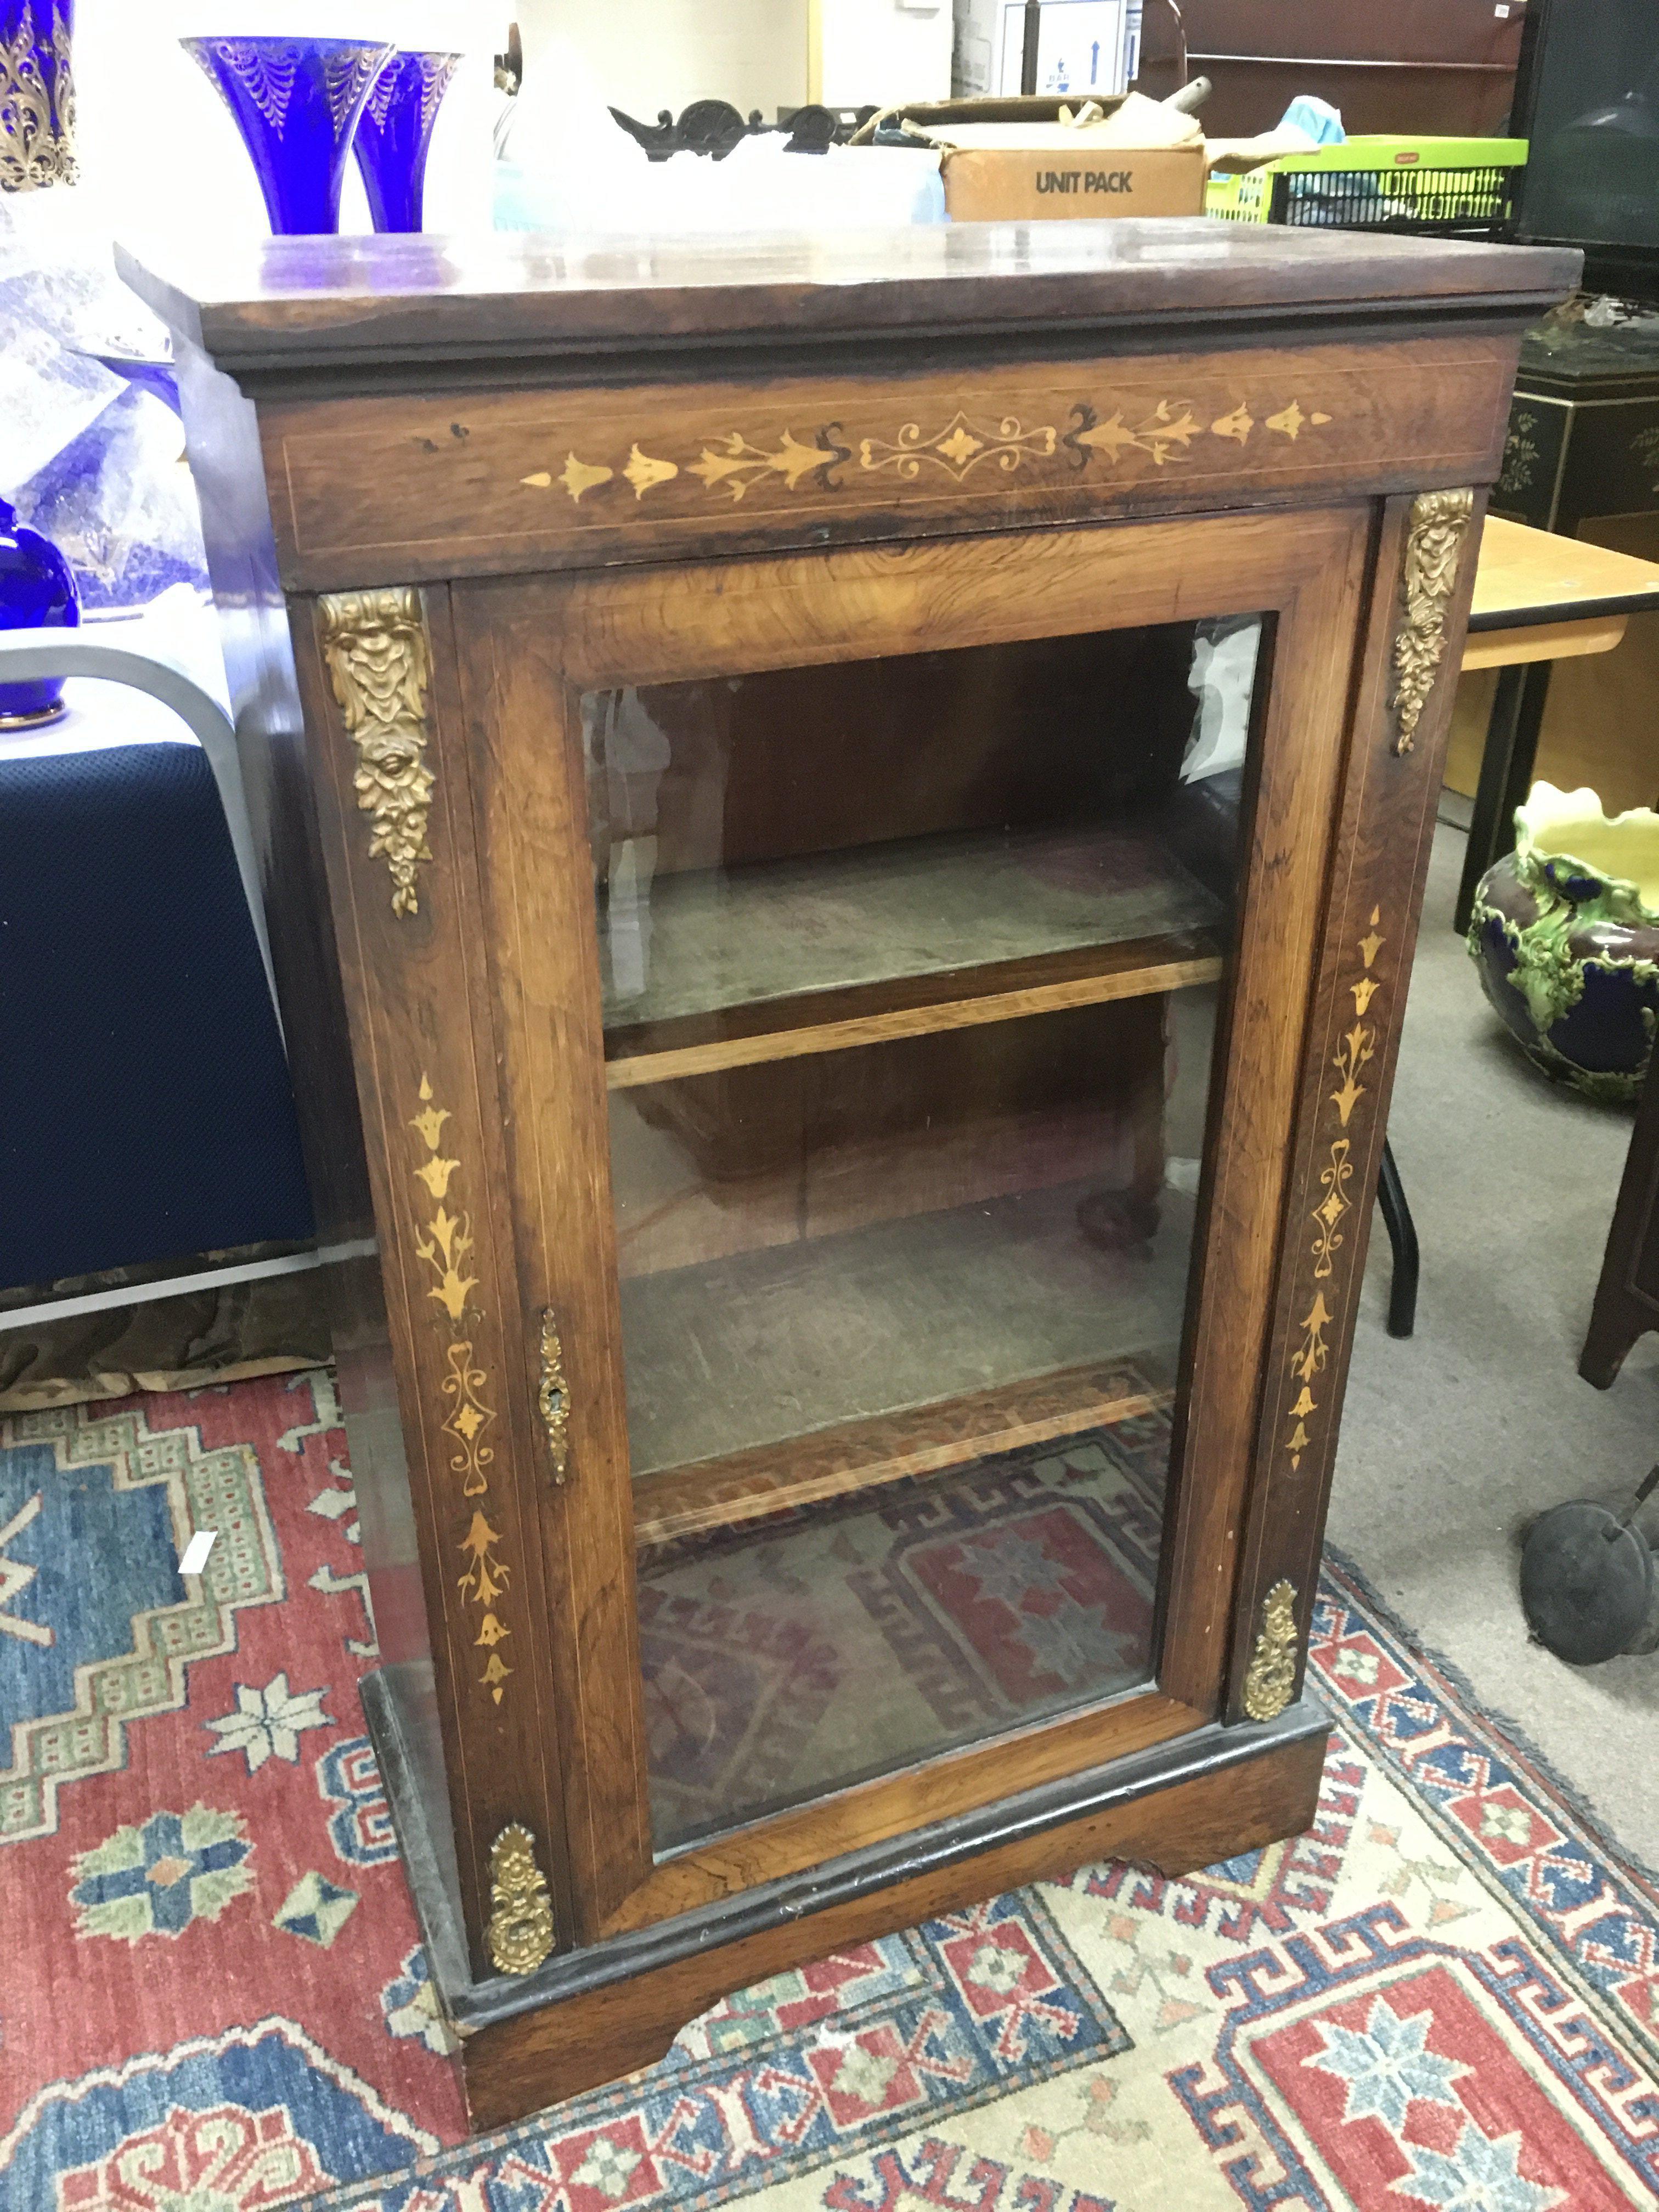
<point x="854" y="1635"/>
<point x="214" y="1999"/>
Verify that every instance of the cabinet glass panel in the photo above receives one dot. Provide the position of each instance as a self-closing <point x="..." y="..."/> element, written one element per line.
<point x="911" y="969"/>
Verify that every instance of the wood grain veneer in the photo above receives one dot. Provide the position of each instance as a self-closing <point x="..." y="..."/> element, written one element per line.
<point x="401" y="489"/>
<point x="306" y="304"/>
<point x="575" y="466"/>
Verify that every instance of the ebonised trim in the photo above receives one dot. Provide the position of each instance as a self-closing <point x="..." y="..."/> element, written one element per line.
<point x="432" y="1886"/>
<point x="1617" y="602"/>
<point x="472" y="2005"/>
<point x="1606" y="385"/>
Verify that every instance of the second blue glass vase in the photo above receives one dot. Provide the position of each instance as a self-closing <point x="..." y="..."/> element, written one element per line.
<point x="37" y="592"/>
<point x="395" y="135"/>
<point x="297" y="102"/>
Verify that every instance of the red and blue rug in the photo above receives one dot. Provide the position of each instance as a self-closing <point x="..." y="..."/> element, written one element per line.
<point x="1445" y="1995"/>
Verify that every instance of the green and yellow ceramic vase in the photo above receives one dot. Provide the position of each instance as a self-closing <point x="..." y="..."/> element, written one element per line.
<point x="1566" y="934"/>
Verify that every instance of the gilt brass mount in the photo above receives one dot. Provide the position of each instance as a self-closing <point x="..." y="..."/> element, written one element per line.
<point x="521" y="1930"/>
<point x="1434" y="547"/>
<point x="381" y="664"/>
<point x="1272" y="1680"/>
<point x="553" y="1398"/>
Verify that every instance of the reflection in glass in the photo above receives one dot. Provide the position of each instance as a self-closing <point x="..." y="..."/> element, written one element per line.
<point x="1592" y="163"/>
<point x="910" y="977"/>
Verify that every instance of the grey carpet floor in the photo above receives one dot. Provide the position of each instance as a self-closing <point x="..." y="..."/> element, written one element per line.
<point x="1455" y="1439"/>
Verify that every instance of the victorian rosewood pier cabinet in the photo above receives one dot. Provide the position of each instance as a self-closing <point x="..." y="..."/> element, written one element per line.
<point x="844" y="825"/>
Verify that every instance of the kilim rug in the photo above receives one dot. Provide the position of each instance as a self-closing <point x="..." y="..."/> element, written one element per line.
<point x="213" y="1998"/>
<point x="858" y="1634"/>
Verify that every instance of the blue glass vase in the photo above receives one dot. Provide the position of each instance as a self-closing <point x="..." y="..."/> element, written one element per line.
<point x="37" y="592"/>
<point x="396" y="132"/>
<point x="37" y="94"/>
<point x="296" y="102"/>
<point x="147" y="372"/>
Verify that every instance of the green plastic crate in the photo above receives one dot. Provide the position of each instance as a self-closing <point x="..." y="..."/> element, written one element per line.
<point x="1444" y="187"/>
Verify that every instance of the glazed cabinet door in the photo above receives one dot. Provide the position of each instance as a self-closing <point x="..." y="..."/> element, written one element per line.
<point x="904" y="965"/>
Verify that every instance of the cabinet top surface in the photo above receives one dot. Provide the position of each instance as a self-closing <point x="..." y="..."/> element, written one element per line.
<point x="295" y="302"/>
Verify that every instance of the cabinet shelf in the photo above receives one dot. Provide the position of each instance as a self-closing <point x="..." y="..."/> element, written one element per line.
<point x="965" y="1303"/>
<point x="849" y="948"/>
<point x="919" y="1440"/>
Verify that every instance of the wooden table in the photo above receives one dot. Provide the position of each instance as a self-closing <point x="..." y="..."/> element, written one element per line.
<point x="1538" y="599"/>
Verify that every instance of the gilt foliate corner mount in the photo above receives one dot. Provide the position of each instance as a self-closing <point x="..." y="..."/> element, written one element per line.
<point x="1434" y="548"/>
<point x="380" y="663"/>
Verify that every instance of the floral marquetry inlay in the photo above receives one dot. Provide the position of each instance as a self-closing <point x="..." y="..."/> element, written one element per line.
<point x="973" y="442"/>
<point x="444" y="1245"/>
<point x="1356" y="1047"/>
<point x="735" y="465"/>
<point x="643" y="472"/>
<point x="962" y="444"/>
<point x="1270" y="1681"/>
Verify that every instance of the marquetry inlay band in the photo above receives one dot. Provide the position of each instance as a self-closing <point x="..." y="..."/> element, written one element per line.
<point x="1356" y="1047"/>
<point x="444" y="1246"/>
<point x="969" y="443"/>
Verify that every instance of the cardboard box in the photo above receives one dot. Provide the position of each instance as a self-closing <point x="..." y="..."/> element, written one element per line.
<point x="1142" y="159"/>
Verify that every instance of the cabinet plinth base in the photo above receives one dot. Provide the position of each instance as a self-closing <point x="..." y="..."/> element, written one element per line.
<point x="591" y="2016"/>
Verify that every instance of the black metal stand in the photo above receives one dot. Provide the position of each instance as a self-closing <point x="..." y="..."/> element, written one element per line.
<point x="1402" y="1240"/>
<point x="1506" y="766"/>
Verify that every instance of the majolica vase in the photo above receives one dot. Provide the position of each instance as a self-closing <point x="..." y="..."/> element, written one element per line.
<point x="297" y="102"/>
<point x="395" y="136"/>
<point x="37" y="94"/>
<point x="1565" y="933"/>
<point x="37" y="592"/>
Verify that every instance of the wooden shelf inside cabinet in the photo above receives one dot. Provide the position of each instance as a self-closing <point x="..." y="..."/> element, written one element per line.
<point x="781" y="958"/>
<point x="919" y="1440"/>
<point x="962" y="1304"/>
